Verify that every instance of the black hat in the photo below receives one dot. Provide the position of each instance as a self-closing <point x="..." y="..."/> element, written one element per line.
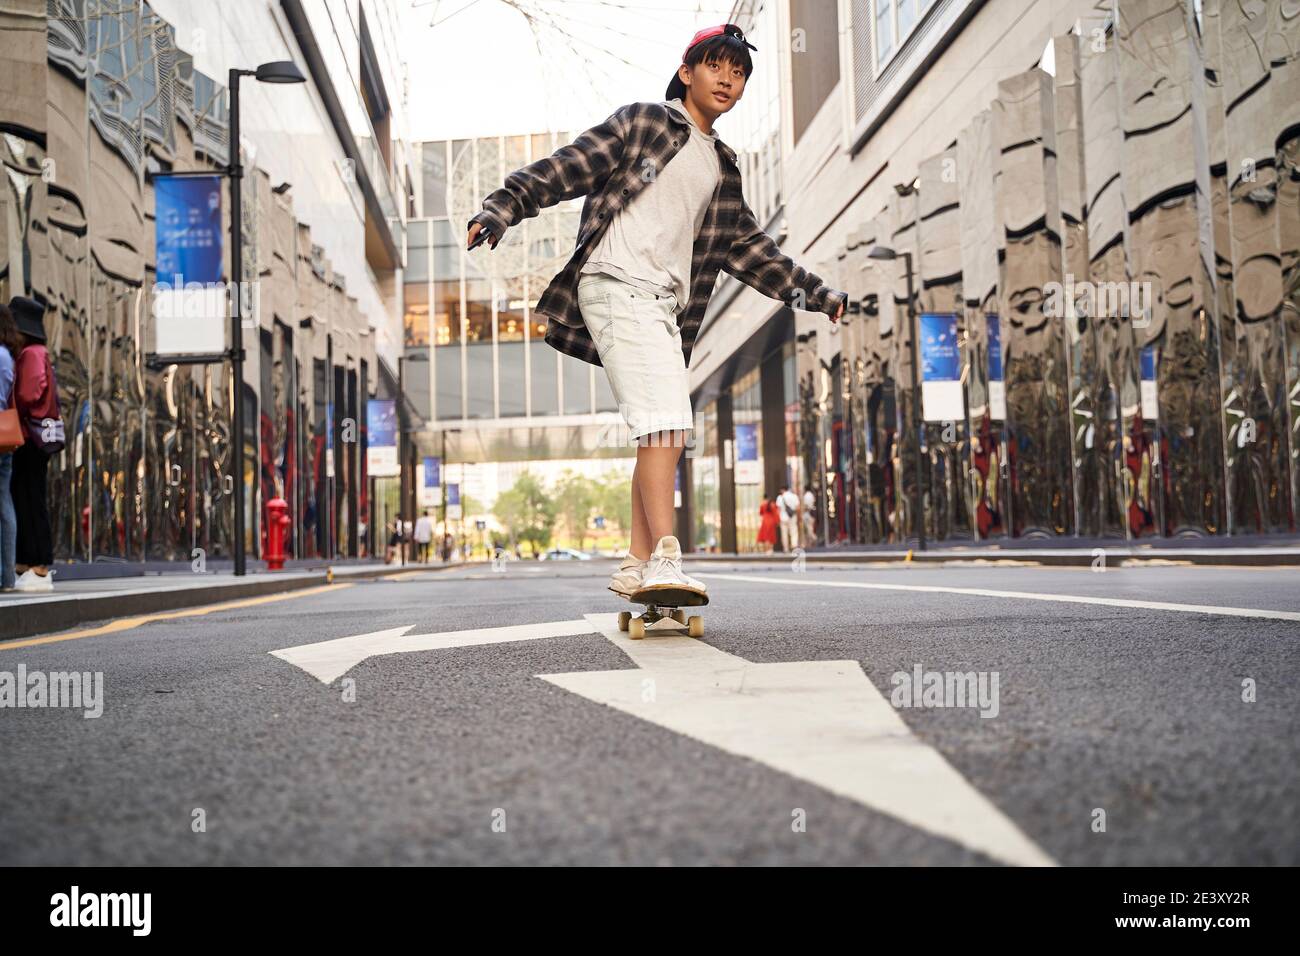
<point x="676" y="88"/>
<point x="28" y="316"/>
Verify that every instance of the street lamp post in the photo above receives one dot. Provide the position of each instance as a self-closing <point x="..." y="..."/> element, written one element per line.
<point x="887" y="254"/>
<point x="280" y="71"/>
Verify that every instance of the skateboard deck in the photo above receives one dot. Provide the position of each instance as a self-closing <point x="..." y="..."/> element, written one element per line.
<point x="663" y="604"/>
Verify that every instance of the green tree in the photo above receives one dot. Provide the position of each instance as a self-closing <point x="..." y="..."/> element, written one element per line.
<point x="469" y="507"/>
<point x="527" y="512"/>
<point x="614" y="501"/>
<point x="575" y="496"/>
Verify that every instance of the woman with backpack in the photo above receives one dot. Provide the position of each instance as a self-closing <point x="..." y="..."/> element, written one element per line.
<point x="36" y="396"/>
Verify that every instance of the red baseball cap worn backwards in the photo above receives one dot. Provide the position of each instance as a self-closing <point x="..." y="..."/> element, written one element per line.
<point x="676" y="88"/>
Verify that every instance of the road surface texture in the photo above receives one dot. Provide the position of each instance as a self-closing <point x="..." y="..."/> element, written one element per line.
<point x="1134" y="716"/>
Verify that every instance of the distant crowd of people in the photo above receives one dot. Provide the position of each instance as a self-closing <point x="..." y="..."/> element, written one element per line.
<point x="790" y="516"/>
<point x="787" y="518"/>
<point x="31" y="432"/>
<point x="414" y="542"/>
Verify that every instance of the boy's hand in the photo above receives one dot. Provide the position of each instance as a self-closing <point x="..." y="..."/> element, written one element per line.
<point x="834" y="318"/>
<point x="474" y="229"/>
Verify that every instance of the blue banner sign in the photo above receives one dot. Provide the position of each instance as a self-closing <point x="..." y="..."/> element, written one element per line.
<point x="189" y="304"/>
<point x="940" y="361"/>
<point x="187" y="229"/>
<point x="381" y="438"/>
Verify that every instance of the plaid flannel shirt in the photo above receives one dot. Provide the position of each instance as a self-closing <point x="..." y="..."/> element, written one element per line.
<point x="610" y="164"/>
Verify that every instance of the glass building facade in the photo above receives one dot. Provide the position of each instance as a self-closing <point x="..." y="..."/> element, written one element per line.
<point x="473" y="311"/>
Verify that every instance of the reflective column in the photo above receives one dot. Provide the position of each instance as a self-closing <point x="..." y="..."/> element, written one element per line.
<point x="1036" y="380"/>
<point x="985" y="389"/>
<point x="1173" y="455"/>
<point x="1117" y="400"/>
<point x="939" y="292"/>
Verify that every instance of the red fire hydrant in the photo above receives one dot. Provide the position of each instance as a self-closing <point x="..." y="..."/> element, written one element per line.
<point x="277" y="527"/>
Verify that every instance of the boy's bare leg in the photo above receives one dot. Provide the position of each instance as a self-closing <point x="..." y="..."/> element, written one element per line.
<point x="656" y="463"/>
<point x="641" y="543"/>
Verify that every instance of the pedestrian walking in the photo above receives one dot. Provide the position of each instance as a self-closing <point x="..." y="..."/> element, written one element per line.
<point x="809" y="518"/>
<point x="36" y="397"/>
<point x="11" y="438"/>
<point x="788" y="504"/>
<point x="424" y="534"/>
<point x="395" y="555"/>
<point x="664" y="215"/>
<point x="769" y="520"/>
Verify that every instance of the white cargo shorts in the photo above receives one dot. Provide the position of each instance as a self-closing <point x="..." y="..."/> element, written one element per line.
<point x="640" y="347"/>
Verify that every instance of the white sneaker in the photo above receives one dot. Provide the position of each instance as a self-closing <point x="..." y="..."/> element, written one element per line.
<point x="664" y="570"/>
<point x="628" y="577"/>
<point x="29" y="580"/>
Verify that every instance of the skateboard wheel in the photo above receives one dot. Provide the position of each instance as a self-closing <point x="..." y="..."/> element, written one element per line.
<point x="636" y="629"/>
<point x="623" y="618"/>
<point x="695" y="626"/>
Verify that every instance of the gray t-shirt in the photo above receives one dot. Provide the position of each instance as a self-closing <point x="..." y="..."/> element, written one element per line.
<point x="649" y="242"/>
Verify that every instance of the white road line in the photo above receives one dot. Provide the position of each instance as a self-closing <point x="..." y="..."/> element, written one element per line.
<point x="806" y="579"/>
<point x="820" y="721"/>
<point x="330" y="660"/>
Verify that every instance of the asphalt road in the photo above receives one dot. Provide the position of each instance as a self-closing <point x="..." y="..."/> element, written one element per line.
<point x="211" y="750"/>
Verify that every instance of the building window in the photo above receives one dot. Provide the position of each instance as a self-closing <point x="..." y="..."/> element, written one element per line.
<point x="894" y="21"/>
<point x="884" y="30"/>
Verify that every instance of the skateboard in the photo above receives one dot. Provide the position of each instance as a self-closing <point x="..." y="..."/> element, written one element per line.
<point x="663" y="604"/>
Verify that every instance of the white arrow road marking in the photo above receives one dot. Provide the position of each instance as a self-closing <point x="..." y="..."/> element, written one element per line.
<point x="329" y="660"/>
<point x="820" y="721"/>
<point x="1025" y="595"/>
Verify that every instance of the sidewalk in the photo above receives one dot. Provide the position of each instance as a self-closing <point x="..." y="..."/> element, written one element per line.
<point x="1243" y="551"/>
<point x="80" y="600"/>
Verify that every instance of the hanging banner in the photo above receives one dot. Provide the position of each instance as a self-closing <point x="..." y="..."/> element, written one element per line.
<point x="453" y="502"/>
<point x="381" y="438"/>
<point x="941" y="390"/>
<point x="749" y="470"/>
<point x="190" y="304"/>
<point x="430" y="482"/>
<point x="997" y="388"/>
<point x="1150" y="397"/>
<point x="329" y="439"/>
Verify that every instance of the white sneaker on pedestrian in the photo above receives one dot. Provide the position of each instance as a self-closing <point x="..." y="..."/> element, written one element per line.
<point x="664" y="569"/>
<point x="628" y="577"/>
<point x="29" y="580"/>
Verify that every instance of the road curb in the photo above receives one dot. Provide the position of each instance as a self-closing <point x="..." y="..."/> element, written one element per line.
<point x="45" y="617"/>
<point x="1114" y="557"/>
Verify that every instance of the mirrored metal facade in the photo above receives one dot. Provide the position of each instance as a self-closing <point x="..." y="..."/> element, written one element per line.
<point x="1118" y="236"/>
<point x="97" y="99"/>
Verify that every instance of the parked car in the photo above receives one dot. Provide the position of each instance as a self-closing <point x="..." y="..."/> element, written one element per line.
<point x="565" y="554"/>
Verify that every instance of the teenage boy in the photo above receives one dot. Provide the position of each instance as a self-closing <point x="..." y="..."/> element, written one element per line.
<point x="664" y="214"/>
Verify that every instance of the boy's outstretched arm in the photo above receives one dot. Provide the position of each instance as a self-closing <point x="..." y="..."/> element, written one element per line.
<point x="755" y="260"/>
<point x="571" y="171"/>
